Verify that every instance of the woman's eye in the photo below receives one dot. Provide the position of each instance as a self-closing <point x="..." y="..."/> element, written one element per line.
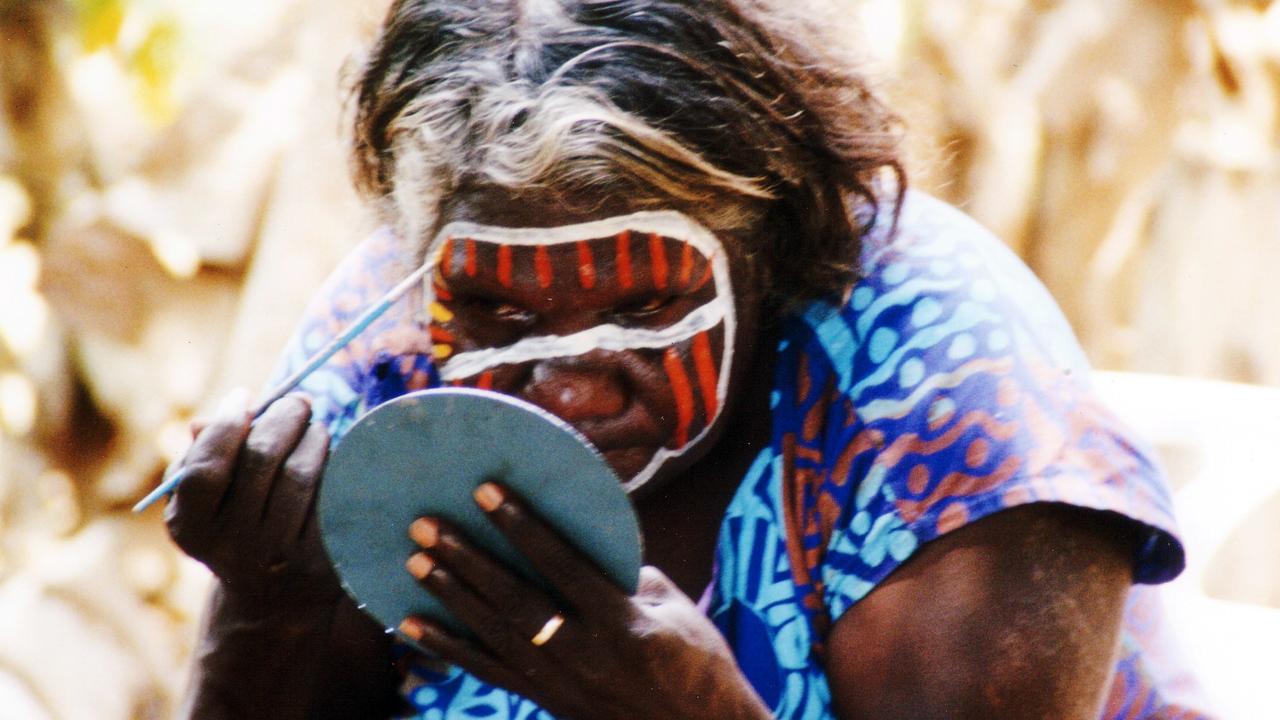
<point x="498" y="310"/>
<point x="643" y="309"/>
<point x="510" y="312"/>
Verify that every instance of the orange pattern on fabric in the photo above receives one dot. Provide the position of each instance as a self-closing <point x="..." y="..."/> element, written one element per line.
<point x="802" y="482"/>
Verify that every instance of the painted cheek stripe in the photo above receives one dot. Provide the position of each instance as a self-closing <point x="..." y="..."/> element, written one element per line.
<point x="682" y="392"/>
<point x="702" y="281"/>
<point x="542" y="266"/>
<point x="586" y="266"/>
<point x="705" y="366"/>
<point x="686" y="264"/>
<point x="658" y="260"/>
<point x="608" y="337"/>
<point x="504" y="265"/>
<point x="446" y="257"/>
<point x="624" y="259"/>
<point x="471" y="258"/>
<point x="442" y="292"/>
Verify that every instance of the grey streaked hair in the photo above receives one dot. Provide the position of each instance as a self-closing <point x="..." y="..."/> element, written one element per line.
<point x="732" y="111"/>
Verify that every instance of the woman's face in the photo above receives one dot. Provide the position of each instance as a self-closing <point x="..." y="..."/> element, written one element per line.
<point x="635" y="328"/>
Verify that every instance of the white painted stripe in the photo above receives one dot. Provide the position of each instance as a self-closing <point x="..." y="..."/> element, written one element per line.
<point x="603" y="337"/>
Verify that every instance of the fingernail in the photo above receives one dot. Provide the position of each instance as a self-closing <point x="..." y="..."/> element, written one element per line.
<point x="236" y="402"/>
<point x="412" y="627"/>
<point x="488" y="496"/>
<point x="419" y="565"/>
<point x="425" y="532"/>
<point x="301" y="396"/>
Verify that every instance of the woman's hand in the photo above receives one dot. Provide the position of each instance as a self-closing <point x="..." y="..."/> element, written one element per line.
<point x="245" y="508"/>
<point x="280" y="638"/>
<point x="650" y="655"/>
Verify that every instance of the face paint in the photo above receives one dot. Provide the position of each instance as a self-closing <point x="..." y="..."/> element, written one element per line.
<point x="676" y="269"/>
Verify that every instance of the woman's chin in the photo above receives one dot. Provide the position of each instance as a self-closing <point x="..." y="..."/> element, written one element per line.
<point x="628" y="462"/>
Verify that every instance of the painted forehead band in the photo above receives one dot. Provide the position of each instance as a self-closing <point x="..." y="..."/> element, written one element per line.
<point x="693" y="327"/>
<point x="606" y="336"/>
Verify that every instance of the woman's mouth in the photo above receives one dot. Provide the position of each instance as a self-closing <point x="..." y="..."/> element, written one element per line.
<point x="627" y="462"/>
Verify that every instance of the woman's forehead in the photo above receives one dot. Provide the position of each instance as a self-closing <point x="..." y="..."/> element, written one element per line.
<point x="669" y="224"/>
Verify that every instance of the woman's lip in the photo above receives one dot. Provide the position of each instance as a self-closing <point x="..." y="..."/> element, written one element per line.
<point x="625" y="449"/>
<point x="615" y="441"/>
<point x="627" y="461"/>
<point x="635" y="428"/>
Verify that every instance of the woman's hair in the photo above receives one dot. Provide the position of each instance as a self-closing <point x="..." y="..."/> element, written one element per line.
<point x="742" y="116"/>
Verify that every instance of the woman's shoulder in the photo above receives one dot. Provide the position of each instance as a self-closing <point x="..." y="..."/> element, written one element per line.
<point x="951" y="273"/>
<point x="951" y="387"/>
<point x="936" y="294"/>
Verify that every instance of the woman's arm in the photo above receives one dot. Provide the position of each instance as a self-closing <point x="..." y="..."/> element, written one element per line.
<point x="1015" y="616"/>
<point x="280" y="638"/>
<point x="319" y="662"/>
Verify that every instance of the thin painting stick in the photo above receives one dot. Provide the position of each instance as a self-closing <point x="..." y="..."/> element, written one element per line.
<point x="319" y="359"/>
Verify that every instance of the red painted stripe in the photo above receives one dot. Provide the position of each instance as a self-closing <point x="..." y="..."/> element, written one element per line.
<point x="706" y="278"/>
<point x="658" y="260"/>
<point x="441" y="292"/>
<point x="686" y="264"/>
<point x="542" y="264"/>
<point x="708" y="378"/>
<point x="446" y="257"/>
<point x="486" y="380"/>
<point x="504" y="265"/>
<point x="586" y="266"/>
<point x="624" y="259"/>
<point x="440" y="335"/>
<point x="471" y="258"/>
<point x="683" y="393"/>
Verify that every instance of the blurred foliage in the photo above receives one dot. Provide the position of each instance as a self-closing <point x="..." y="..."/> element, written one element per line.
<point x="99" y="23"/>
<point x="154" y="63"/>
<point x="151" y="53"/>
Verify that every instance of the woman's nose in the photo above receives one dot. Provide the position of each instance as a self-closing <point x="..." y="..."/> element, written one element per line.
<point x="576" y="389"/>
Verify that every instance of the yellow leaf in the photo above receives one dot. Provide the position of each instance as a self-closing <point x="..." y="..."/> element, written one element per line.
<point x="154" y="64"/>
<point x="100" y="23"/>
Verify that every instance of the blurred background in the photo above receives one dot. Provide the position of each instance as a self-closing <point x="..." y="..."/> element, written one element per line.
<point x="173" y="186"/>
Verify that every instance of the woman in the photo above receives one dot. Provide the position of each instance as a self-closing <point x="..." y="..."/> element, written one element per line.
<point x="851" y="423"/>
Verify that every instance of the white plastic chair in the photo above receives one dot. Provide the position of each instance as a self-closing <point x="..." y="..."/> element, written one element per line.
<point x="1232" y="432"/>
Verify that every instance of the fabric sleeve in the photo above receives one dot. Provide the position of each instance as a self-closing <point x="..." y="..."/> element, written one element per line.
<point x="338" y="389"/>
<point x="947" y="388"/>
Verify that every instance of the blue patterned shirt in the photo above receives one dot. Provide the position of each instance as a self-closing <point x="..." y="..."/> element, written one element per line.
<point x="945" y="387"/>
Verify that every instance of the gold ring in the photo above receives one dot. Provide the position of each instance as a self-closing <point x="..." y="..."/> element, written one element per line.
<point x="548" y="630"/>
